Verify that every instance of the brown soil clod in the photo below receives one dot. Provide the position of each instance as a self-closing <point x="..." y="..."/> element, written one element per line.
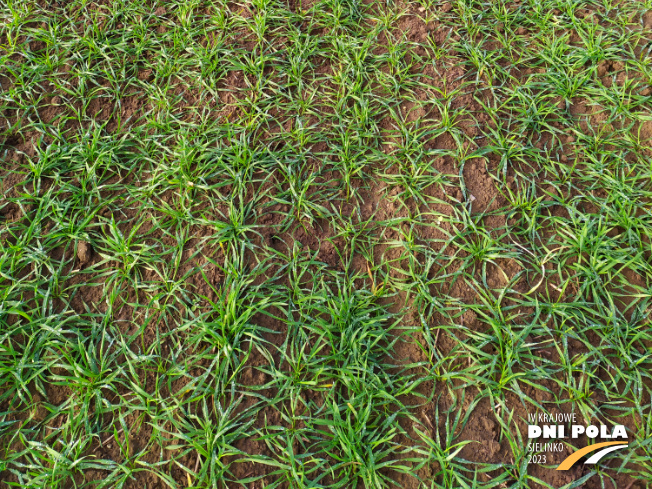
<point x="84" y="252"/>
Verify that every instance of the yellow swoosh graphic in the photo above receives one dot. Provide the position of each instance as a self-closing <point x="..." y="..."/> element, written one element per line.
<point x="575" y="456"/>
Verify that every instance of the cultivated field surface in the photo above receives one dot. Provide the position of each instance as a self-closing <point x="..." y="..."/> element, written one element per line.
<point x="323" y="243"/>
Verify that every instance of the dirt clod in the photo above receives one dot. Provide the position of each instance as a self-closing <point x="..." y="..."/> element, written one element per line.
<point x="84" y="252"/>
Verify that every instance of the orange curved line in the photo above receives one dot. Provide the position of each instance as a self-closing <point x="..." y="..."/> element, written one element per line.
<point x="575" y="456"/>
